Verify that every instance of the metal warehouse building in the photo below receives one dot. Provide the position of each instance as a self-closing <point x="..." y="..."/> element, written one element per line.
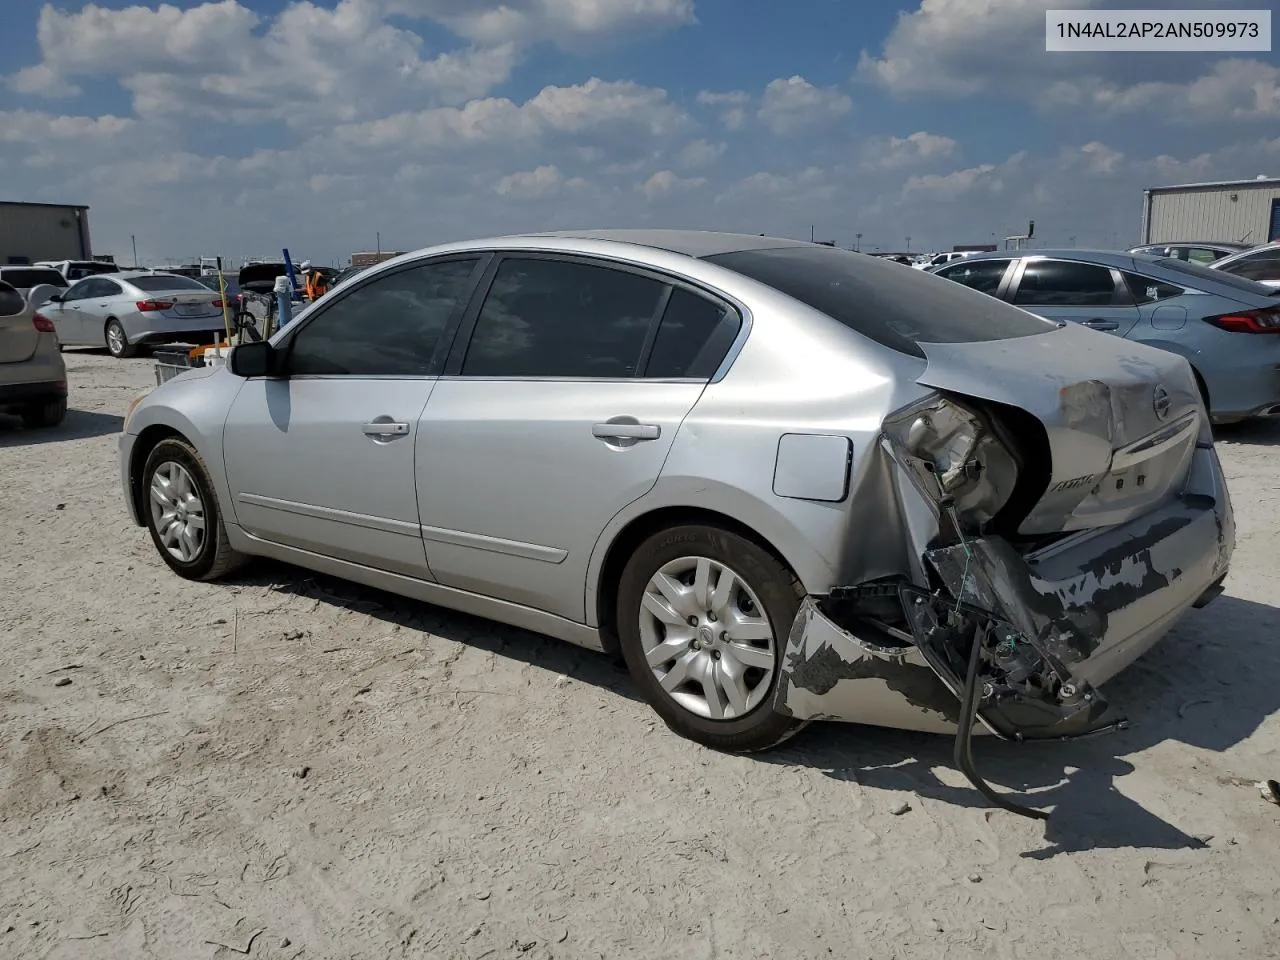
<point x="1242" y="211"/>
<point x="30" y="232"/>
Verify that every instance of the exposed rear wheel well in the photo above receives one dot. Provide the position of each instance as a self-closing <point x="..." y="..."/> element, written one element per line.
<point x="146" y="442"/>
<point x="635" y="533"/>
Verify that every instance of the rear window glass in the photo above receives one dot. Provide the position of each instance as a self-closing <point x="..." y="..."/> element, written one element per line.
<point x="1215" y="275"/>
<point x="11" y="302"/>
<point x="899" y="309"/>
<point x="166" y="282"/>
<point x="25" y="278"/>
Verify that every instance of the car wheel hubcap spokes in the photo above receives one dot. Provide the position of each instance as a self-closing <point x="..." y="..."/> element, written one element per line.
<point x="177" y="511"/>
<point x="707" y="639"/>
<point x="116" y="338"/>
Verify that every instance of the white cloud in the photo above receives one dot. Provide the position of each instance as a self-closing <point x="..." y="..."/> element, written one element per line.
<point x="700" y="153"/>
<point x="214" y="60"/>
<point x="665" y="182"/>
<point x="794" y="103"/>
<point x="545" y="181"/>
<point x="915" y="148"/>
<point x="732" y="105"/>
<point x="26" y="126"/>
<point x="572" y="24"/>
<point x="951" y="186"/>
<point x="1233" y="89"/>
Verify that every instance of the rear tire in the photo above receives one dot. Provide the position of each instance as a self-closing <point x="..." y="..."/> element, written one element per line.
<point x="118" y="344"/>
<point x="732" y="657"/>
<point x="42" y="415"/>
<point x="176" y="488"/>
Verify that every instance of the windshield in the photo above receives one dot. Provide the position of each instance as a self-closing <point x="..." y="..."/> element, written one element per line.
<point x="899" y="309"/>
<point x="164" y="281"/>
<point x="1215" y="276"/>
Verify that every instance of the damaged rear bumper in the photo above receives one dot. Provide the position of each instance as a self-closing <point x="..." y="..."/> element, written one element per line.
<point x="1052" y="624"/>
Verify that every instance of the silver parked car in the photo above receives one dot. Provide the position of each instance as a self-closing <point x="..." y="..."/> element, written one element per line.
<point x="785" y="481"/>
<point x="1227" y="327"/>
<point x="1195" y="251"/>
<point x="1261" y="264"/>
<point x="33" y="377"/>
<point x="125" y="311"/>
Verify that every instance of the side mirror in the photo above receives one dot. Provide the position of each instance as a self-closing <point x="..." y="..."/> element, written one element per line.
<point x="254" y="359"/>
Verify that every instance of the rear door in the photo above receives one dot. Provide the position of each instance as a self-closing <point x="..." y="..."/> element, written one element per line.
<point x="18" y="335"/>
<point x="544" y="426"/>
<point x="102" y="299"/>
<point x="1089" y="294"/>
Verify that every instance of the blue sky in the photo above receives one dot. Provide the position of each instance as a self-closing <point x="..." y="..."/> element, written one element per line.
<point x="241" y="126"/>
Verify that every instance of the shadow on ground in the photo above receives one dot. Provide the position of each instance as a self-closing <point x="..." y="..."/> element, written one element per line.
<point x="1209" y="687"/>
<point x="1263" y="433"/>
<point x="79" y="425"/>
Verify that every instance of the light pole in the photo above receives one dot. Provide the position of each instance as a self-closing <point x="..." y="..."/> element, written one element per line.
<point x="908" y="244"/>
<point x="858" y="244"/>
<point x="134" y="241"/>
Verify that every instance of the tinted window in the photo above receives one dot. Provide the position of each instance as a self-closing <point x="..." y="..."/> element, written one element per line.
<point x="1263" y="265"/>
<point x="77" y="271"/>
<point x="899" y="309"/>
<point x="1194" y="271"/>
<point x="1146" y="290"/>
<point x="11" y="302"/>
<point x="77" y="291"/>
<point x="389" y="327"/>
<point x="693" y="337"/>
<point x="165" y="281"/>
<point x="26" y="278"/>
<point x="1061" y="283"/>
<point x="981" y="275"/>
<point x="555" y="318"/>
<point x="106" y="288"/>
<point x="1203" y="255"/>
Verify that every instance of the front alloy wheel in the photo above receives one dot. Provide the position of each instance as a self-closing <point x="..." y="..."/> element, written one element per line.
<point x="177" y="512"/>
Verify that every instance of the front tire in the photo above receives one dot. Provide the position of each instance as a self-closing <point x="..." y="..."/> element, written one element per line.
<point x="118" y="344"/>
<point x="703" y="618"/>
<point x="50" y="413"/>
<point x="183" y="515"/>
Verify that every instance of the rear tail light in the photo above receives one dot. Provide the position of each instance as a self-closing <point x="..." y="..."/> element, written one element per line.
<point x="1264" y="320"/>
<point x="42" y="323"/>
<point x="146" y="306"/>
<point x="219" y="304"/>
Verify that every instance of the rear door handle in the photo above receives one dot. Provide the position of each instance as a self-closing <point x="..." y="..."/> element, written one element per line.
<point x="1097" y="323"/>
<point x="385" y="428"/>
<point x="626" y="431"/>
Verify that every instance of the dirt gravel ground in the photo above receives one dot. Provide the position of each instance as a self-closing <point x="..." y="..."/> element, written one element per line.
<point x="286" y="766"/>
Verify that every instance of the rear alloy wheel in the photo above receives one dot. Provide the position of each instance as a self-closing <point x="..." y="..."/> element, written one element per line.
<point x="182" y="513"/>
<point x="47" y="414"/>
<point x="118" y="344"/>
<point x="703" y="621"/>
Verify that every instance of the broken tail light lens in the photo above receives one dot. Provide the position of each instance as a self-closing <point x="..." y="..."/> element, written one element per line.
<point x="42" y="323"/>
<point x="1264" y="320"/>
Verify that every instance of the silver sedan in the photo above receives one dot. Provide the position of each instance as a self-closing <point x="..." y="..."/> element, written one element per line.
<point x="125" y="311"/>
<point x="785" y="482"/>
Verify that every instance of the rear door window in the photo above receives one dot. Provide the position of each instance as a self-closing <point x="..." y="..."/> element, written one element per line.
<point x="1063" y="283"/>
<point x="899" y="309"/>
<point x="981" y="275"/>
<point x="562" y="318"/>
<point x="693" y="337"/>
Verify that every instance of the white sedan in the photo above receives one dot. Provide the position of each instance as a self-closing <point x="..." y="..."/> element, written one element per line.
<point x="127" y="310"/>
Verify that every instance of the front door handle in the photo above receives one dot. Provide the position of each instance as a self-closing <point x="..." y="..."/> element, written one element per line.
<point x="626" y="430"/>
<point x="1097" y="323"/>
<point x="385" y="429"/>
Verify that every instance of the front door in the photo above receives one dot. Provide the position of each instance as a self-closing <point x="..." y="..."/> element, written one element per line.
<point x="545" y="426"/>
<point x="1089" y="294"/>
<point x="67" y="316"/>
<point x="322" y="458"/>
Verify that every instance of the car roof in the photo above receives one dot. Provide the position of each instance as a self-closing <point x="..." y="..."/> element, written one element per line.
<point x="1114" y="258"/>
<point x="1224" y="244"/>
<point x="690" y="243"/>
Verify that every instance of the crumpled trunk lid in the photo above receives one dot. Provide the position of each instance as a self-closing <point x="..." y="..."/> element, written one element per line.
<point x="1122" y="419"/>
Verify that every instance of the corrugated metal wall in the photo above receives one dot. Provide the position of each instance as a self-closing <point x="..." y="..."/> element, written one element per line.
<point x="42" y="233"/>
<point x="1211" y="214"/>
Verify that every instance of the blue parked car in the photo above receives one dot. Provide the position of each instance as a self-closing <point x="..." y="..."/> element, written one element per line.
<point x="1227" y="327"/>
